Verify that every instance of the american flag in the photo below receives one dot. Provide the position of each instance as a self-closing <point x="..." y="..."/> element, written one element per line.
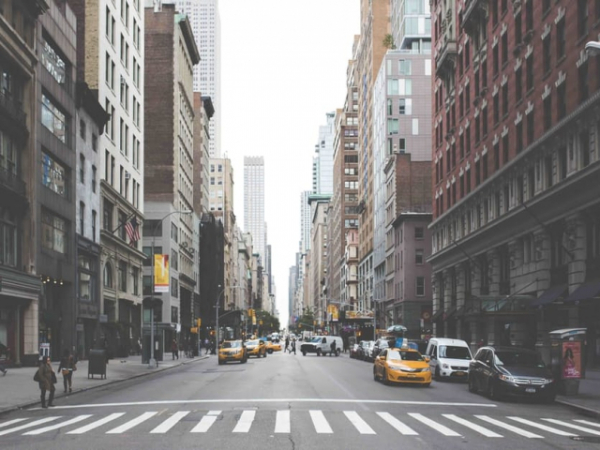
<point x="133" y="231"/>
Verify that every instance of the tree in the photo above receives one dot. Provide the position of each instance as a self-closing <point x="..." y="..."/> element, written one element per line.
<point x="388" y="42"/>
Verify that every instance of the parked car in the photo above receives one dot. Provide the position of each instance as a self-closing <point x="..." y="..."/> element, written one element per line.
<point x="406" y="365"/>
<point x="365" y="351"/>
<point x="449" y="358"/>
<point x="321" y="345"/>
<point x="378" y="346"/>
<point x="511" y="371"/>
<point x="354" y="351"/>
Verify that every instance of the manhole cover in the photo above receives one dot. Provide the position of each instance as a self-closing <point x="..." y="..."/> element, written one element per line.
<point x="590" y="439"/>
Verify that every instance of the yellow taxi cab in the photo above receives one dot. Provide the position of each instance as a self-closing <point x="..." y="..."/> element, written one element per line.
<point x="232" y="351"/>
<point x="256" y="347"/>
<point x="402" y="365"/>
<point x="273" y="347"/>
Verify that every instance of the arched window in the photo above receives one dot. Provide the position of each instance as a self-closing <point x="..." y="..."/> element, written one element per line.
<point x="108" y="275"/>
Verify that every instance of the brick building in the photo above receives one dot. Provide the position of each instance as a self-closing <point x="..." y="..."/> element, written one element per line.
<point x="516" y="153"/>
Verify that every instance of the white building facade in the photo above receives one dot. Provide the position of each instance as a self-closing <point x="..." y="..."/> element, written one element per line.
<point x="323" y="159"/>
<point x="254" y="202"/>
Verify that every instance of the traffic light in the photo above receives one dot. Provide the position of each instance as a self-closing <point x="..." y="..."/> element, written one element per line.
<point x="198" y="322"/>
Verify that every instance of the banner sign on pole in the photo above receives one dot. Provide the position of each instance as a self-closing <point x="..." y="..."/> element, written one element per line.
<point x="161" y="273"/>
<point x="333" y="313"/>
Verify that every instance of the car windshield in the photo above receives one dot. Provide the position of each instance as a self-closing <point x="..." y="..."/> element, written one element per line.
<point x="253" y="342"/>
<point x="232" y="344"/>
<point x="453" y="352"/>
<point x="405" y="356"/>
<point x="316" y="339"/>
<point x="519" y="358"/>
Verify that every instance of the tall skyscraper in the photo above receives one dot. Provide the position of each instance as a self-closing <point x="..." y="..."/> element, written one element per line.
<point x="206" y="25"/>
<point x="323" y="159"/>
<point x="305" y="222"/>
<point x="254" y="202"/>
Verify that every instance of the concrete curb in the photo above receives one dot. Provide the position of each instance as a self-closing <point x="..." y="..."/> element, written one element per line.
<point x="108" y="383"/>
<point x="589" y="412"/>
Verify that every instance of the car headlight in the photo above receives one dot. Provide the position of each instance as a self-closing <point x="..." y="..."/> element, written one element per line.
<point x="547" y="380"/>
<point x="507" y="378"/>
<point x="445" y="366"/>
<point x="400" y="368"/>
<point x="427" y="369"/>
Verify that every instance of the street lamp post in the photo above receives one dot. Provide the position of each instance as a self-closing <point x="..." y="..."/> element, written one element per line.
<point x="153" y="363"/>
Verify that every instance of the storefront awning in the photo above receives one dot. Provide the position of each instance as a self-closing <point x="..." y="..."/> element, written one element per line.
<point x="585" y="292"/>
<point x="550" y="295"/>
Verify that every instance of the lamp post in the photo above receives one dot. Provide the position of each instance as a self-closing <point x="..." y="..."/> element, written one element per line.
<point x="153" y="363"/>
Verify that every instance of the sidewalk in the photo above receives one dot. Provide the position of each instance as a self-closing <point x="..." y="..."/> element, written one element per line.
<point x="588" y="400"/>
<point x="20" y="391"/>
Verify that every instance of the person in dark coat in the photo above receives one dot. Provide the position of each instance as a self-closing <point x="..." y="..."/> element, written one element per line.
<point x="174" y="349"/>
<point x="66" y="367"/>
<point x="46" y="381"/>
<point x="333" y="348"/>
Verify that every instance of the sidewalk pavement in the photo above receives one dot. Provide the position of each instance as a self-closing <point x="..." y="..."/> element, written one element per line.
<point x="18" y="390"/>
<point x="587" y="401"/>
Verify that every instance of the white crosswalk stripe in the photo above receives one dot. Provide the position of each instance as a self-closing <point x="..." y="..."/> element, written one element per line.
<point x="282" y="421"/>
<point x="206" y="422"/>
<point x="396" y="424"/>
<point x="320" y="422"/>
<point x="29" y="425"/>
<point x="170" y="422"/>
<point x="433" y="424"/>
<point x="358" y="422"/>
<point x="132" y="423"/>
<point x="509" y="427"/>
<point x="11" y="422"/>
<point x="473" y="426"/>
<point x="587" y="422"/>
<point x="245" y="422"/>
<point x="575" y="427"/>
<point x="58" y="425"/>
<point x="540" y="426"/>
<point x="96" y="424"/>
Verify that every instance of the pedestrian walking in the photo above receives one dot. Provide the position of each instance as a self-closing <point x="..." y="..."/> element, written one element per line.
<point x="346" y="344"/>
<point x="46" y="379"/>
<point x="3" y="370"/>
<point x="287" y="344"/>
<point x="67" y="367"/>
<point x="293" y="347"/>
<point x="174" y="349"/>
<point x="332" y="348"/>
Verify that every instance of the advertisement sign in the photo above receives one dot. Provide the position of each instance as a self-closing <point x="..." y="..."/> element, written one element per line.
<point x="350" y="315"/>
<point x="333" y="313"/>
<point x="161" y="273"/>
<point x="571" y="352"/>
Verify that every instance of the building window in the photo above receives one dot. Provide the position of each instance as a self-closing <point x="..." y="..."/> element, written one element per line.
<point x="547" y="56"/>
<point x="122" y="273"/>
<point x="518" y="28"/>
<point x="54" y="231"/>
<point x="404" y="67"/>
<point x="174" y="287"/>
<point x="505" y="100"/>
<point x="504" y="49"/>
<point x="519" y="85"/>
<point x="94" y="180"/>
<point x="419" y="233"/>
<point x="94" y="219"/>
<point x="584" y="85"/>
<point x="562" y="100"/>
<point x="82" y="218"/>
<point x="53" y="63"/>
<point x="530" y="128"/>
<point x="419" y="256"/>
<point x="174" y="260"/>
<point x="420" y="288"/>
<point x="86" y="287"/>
<point x="82" y="168"/>
<point x="496" y="59"/>
<point x="122" y="221"/>
<point x="496" y="109"/>
<point x="53" y="119"/>
<point x="519" y="137"/>
<point x="582" y="15"/>
<point x="548" y="112"/>
<point x="107" y="216"/>
<point x="484" y="166"/>
<point x="561" y="39"/>
<point x="54" y="175"/>
<point x="135" y="277"/>
<point x="529" y="75"/>
<point x="8" y="238"/>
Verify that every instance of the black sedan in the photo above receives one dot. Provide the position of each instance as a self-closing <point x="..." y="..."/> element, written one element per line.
<point x="511" y="371"/>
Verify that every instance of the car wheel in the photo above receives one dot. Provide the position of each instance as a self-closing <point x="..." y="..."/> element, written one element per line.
<point x="438" y="377"/>
<point x="270" y="351"/>
<point x="338" y="352"/>
<point x="385" y="378"/>
<point x="318" y="352"/>
<point x="375" y="374"/>
<point x="472" y="385"/>
<point x="492" y="392"/>
<point x="303" y="353"/>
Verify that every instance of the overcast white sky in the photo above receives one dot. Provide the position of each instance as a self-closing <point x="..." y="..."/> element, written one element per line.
<point x="283" y="67"/>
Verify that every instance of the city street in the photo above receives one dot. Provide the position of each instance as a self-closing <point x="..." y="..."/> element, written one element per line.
<point x="290" y="402"/>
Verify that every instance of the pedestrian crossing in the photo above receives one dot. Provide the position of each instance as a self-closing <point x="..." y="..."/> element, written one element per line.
<point x="287" y="421"/>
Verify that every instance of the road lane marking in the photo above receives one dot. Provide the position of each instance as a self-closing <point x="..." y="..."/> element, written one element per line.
<point x="433" y="424"/>
<point x="395" y="423"/>
<point x="508" y="427"/>
<point x="245" y="422"/>
<point x="320" y="422"/>
<point x="587" y="422"/>
<point x="206" y="422"/>
<point x="541" y="426"/>
<point x="58" y="425"/>
<point x="97" y="423"/>
<point x="170" y="422"/>
<point x="11" y="422"/>
<point x="29" y="425"/>
<point x="282" y="421"/>
<point x="274" y="400"/>
<point x="575" y="427"/>
<point x="132" y="423"/>
<point x="473" y="426"/>
<point x="359" y="423"/>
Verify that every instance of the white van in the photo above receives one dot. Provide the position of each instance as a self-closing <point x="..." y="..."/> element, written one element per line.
<point x="449" y="358"/>
<point x="321" y="345"/>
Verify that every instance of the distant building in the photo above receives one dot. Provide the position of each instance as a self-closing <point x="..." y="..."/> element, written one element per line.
<point x="254" y="202"/>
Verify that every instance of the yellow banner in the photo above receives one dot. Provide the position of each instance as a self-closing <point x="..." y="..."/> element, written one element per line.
<point x="333" y="312"/>
<point x="161" y="273"/>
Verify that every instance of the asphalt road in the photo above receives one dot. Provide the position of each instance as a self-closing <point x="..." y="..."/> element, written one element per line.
<point x="291" y="402"/>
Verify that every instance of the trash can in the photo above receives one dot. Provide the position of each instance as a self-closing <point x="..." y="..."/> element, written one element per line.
<point x="97" y="363"/>
<point x="567" y="346"/>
